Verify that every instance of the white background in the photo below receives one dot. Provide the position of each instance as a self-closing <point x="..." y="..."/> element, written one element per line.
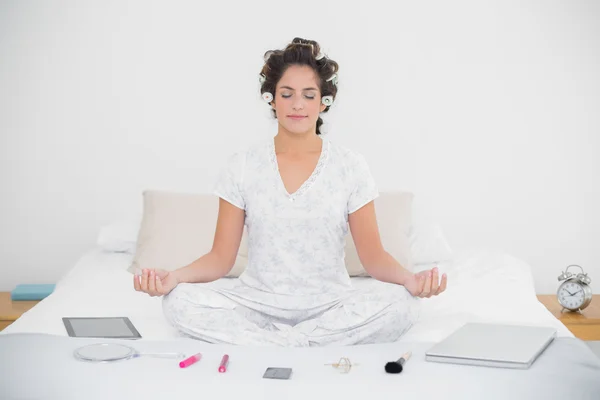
<point x="487" y="111"/>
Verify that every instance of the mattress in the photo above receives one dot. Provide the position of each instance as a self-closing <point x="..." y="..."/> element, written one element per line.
<point x="483" y="286"/>
<point x="37" y="359"/>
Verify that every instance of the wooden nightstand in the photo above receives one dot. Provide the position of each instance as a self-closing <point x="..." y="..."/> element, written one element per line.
<point x="11" y="310"/>
<point x="584" y="325"/>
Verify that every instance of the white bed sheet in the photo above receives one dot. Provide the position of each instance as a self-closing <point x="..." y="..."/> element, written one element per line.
<point x="483" y="286"/>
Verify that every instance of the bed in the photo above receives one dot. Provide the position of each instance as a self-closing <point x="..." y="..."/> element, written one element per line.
<point x="36" y="353"/>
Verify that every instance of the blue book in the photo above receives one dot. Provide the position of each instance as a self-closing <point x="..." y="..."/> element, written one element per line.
<point x="31" y="292"/>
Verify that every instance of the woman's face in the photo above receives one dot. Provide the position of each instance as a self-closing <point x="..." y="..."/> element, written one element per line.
<point x="297" y="100"/>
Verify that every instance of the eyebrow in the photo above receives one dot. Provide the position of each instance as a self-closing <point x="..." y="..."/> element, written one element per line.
<point x="289" y="88"/>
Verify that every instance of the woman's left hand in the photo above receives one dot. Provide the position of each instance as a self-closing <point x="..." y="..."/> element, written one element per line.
<point x="426" y="283"/>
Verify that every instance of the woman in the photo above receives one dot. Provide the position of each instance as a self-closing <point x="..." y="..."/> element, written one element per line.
<point x="297" y="193"/>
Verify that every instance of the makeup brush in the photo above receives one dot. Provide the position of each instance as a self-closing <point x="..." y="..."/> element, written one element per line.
<point x="395" y="367"/>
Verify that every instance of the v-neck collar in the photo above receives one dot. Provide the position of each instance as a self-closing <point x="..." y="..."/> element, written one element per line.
<point x="311" y="179"/>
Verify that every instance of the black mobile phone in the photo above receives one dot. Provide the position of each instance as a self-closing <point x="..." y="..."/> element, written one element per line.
<point x="278" y="373"/>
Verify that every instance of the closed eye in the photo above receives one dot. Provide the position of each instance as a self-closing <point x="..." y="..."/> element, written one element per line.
<point x="287" y="96"/>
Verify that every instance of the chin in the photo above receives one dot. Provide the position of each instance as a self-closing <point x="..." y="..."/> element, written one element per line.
<point x="298" y="131"/>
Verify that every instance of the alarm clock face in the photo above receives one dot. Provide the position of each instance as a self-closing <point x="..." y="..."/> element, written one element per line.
<point x="571" y="295"/>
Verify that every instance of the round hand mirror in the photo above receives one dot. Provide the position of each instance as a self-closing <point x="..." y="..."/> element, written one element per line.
<point x="107" y="352"/>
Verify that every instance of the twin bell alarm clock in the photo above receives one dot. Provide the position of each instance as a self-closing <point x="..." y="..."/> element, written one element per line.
<point x="575" y="293"/>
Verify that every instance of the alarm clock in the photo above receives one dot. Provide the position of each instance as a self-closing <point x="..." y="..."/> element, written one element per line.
<point x="575" y="293"/>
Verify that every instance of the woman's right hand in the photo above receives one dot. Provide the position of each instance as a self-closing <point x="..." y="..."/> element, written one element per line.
<point x="155" y="282"/>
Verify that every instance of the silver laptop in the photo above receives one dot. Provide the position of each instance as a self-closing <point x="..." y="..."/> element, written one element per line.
<point x="493" y="345"/>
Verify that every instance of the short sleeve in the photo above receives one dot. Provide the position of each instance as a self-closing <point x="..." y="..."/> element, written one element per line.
<point x="364" y="185"/>
<point x="229" y="182"/>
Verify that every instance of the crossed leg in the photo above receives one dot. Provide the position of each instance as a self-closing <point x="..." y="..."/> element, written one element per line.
<point x="377" y="312"/>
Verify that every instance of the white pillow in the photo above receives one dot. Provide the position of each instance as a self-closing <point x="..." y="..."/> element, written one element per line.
<point x="427" y="240"/>
<point x="177" y="229"/>
<point x="119" y="236"/>
<point x="393" y="211"/>
<point x="428" y="244"/>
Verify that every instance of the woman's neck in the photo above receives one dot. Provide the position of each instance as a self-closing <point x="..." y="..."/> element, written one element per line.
<point x="287" y="142"/>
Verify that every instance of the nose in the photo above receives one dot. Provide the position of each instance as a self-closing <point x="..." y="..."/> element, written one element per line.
<point x="298" y="105"/>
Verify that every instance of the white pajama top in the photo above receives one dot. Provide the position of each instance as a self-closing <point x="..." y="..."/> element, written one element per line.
<point x="296" y="241"/>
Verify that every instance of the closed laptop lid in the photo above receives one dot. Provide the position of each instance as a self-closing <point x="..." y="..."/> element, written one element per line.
<point x="494" y="342"/>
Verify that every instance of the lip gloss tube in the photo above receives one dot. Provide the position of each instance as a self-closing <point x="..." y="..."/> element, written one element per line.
<point x="190" y="360"/>
<point x="224" y="362"/>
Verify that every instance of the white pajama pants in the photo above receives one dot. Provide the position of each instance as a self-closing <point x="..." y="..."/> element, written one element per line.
<point x="373" y="312"/>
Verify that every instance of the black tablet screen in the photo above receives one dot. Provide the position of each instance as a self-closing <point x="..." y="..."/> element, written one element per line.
<point x="117" y="327"/>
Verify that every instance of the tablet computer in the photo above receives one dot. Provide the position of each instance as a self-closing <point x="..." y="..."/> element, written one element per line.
<point x="101" y="327"/>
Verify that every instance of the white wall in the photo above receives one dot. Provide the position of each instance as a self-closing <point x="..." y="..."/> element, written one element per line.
<point x="488" y="111"/>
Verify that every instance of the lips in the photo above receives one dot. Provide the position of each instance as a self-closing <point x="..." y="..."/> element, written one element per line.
<point x="297" y="117"/>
